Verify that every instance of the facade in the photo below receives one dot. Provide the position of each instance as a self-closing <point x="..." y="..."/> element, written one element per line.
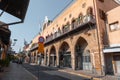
<point x="82" y="35"/>
<point x="112" y="50"/>
<point x="4" y="40"/>
<point x="33" y="49"/>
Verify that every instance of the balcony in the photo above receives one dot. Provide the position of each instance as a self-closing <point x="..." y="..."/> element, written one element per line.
<point x="76" y="26"/>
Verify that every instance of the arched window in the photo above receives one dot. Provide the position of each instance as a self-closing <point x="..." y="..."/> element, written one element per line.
<point x="80" y="18"/>
<point x="89" y="15"/>
<point x="59" y="32"/>
<point x="90" y="11"/>
<point x="67" y="27"/>
<point x="73" y="23"/>
<point x="63" y="29"/>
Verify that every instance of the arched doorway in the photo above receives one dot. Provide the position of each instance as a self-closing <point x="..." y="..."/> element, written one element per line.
<point x="83" y="61"/>
<point x="53" y="56"/>
<point x="65" y="55"/>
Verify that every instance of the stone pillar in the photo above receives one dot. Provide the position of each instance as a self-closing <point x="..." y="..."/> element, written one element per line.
<point x="45" y="58"/>
<point x="36" y="59"/>
<point x="57" y="58"/>
<point x="73" y="58"/>
<point x="48" y="59"/>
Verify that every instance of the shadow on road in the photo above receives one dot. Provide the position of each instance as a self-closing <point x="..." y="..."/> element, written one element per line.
<point x="48" y="73"/>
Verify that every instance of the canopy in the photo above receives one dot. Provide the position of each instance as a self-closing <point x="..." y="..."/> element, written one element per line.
<point x="16" y="8"/>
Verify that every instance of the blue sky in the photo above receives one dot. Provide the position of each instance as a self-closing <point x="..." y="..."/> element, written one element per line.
<point x="36" y="12"/>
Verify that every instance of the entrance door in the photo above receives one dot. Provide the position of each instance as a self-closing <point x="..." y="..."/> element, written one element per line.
<point x="109" y="66"/>
<point x="53" y="60"/>
<point x="87" y="61"/>
<point x="67" y="60"/>
<point x="117" y="62"/>
<point x="118" y="66"/>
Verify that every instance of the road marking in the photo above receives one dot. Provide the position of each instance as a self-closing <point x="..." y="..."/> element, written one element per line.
<point x="30" y="73"/>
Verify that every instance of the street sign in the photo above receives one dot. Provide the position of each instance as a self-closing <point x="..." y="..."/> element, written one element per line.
<point x="41" y="39"/>
<point x="40" y="48"/>
<point x="41" y="44"/>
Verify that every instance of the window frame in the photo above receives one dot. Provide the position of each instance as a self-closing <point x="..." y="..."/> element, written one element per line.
<point x="114" y="23"/>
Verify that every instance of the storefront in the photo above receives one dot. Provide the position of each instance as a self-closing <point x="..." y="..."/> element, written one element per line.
<point x="112" y="60"/>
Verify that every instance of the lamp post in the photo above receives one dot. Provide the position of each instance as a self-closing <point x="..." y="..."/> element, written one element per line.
<point x="15" y="40"/>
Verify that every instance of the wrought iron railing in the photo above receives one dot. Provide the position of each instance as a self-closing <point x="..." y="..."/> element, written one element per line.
<point x="74" y="25"/>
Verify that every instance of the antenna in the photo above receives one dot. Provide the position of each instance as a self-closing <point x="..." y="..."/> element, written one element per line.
<point x="40" y="27"/>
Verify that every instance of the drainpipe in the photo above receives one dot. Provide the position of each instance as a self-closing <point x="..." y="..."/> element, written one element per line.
<point x="98" y="36"/>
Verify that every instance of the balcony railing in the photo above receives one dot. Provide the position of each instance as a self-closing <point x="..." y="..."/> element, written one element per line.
<point x="34" y="47"/>
<point x="77" y="23"/>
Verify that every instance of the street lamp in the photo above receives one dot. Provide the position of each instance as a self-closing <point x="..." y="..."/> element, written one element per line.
<point x="14" y="42"/>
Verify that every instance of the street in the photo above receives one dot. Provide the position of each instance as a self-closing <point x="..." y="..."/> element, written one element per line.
<point x="46" y="73"/>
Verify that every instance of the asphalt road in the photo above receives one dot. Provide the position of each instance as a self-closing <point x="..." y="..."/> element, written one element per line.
<point x="46" y="73"/>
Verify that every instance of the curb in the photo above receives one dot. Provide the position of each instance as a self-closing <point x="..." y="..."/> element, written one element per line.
<point x="83" y="75"/>
<point x="30" y="74"/>
<point x="76" y="74"/>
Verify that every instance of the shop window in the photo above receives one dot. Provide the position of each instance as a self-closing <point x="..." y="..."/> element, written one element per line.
<point x="114" y="26"/>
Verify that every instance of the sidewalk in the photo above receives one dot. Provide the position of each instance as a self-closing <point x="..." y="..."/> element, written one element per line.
<point x="92" y="76"/>
<point x="89" y="75"/>
<point x="16" y="72"/>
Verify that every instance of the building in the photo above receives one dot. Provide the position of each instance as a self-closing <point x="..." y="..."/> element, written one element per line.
<point x="34" y="55"/>
<point x="82" y="35"/>
<point x="112" y="50"/>
<point x="4" y="40"/>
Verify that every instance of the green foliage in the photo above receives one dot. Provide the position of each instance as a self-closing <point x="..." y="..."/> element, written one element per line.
<point x="4" y="63"/>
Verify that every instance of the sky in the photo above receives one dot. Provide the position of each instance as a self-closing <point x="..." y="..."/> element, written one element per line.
<point x="36" y="12"/>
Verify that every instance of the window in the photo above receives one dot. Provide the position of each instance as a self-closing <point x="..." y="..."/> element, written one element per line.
<point x="102" y="14"/>
<point x="114" y="26"/>
<point x="70" y="15"/>
<point x="64" y="19"/>
<point x="83" y="5"/>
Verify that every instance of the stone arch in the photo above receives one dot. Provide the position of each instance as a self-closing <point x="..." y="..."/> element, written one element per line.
<point x="52" y="61"/>
<point x="65" y="55"/>
<point x="82" y="55"/>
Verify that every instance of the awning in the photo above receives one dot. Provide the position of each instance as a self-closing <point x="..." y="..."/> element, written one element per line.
<point x="110" y="50"/>
<point x="16" y="8"/>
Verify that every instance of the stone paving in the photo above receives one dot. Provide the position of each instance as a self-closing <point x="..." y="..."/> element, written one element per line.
<point x="16" y="72"/>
